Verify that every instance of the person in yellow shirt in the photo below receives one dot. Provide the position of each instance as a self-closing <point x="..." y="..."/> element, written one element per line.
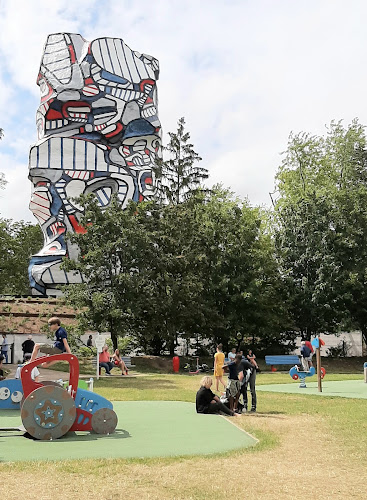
<point x="218" y="366"/>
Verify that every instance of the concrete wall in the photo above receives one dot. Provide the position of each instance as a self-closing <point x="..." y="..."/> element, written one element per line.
<point x="353" y="340"/>
<point x="18" y="338"/>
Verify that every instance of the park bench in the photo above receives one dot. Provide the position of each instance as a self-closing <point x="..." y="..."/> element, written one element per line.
<point x="125" y="359"/>
<point x="283" y="359"/>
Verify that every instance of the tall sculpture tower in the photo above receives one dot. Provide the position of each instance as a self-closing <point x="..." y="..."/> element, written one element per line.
<point x="98" y="132"/>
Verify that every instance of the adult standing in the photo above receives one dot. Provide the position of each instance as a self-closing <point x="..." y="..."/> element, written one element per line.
<point x="2" y="376"/>
<point x="27" y="346"/>
<point x="249" y="378"/>
<point x="218" y="366"/>
<point x="306" y="360"/>
<point x="5" y="348"/>
<point x="90" y="341"/>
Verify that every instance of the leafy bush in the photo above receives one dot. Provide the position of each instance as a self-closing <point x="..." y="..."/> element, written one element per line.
<point x="339" y="351"/>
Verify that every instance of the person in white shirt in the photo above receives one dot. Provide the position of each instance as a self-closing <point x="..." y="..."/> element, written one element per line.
<point x="232" y="355"/>
<point x="35" y="372"/>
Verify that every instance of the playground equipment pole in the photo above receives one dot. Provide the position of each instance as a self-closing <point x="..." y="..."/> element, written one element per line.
<point x="318" y="360"/>
<point x="100" y="342"/>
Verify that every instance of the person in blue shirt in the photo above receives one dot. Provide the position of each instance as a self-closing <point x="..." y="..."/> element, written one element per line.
<point x="60" y="342"/>
<point x="306" y="360"/>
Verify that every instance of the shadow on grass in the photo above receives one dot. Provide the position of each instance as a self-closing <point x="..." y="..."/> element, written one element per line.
<point x="269" y="414"/>
<point x="140" y="384"/>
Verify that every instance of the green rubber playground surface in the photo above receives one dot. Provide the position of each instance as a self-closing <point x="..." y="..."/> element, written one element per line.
<point x="341" y="388"/>
<point x="145" y="429"/>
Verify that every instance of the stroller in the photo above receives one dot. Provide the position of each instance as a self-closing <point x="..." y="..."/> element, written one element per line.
<point x="203" y="368"/>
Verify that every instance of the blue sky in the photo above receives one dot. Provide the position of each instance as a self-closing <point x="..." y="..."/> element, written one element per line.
<point x="243" y="73"/>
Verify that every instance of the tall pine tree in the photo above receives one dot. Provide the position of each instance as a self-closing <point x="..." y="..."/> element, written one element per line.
<point x="179" y="176"/>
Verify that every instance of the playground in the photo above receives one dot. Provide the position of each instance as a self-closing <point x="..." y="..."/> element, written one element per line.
<point x="162" y="449"/>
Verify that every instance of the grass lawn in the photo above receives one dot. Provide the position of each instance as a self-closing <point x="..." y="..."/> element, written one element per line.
<point x="310" y="446"/>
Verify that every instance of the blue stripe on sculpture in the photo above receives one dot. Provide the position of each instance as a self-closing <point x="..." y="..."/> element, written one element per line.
<point x="137" y="128"/>
<point x="113" y="78"/>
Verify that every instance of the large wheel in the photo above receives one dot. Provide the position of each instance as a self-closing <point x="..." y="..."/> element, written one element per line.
<point x="48" y="412"/>
<point x="104" y="421"/>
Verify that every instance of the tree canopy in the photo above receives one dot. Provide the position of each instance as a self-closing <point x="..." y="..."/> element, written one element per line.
<point x="178" y="175"/>
<point x="200" y="269"/>
<point x="321" y="228"/>
<point x="18" y="242"/>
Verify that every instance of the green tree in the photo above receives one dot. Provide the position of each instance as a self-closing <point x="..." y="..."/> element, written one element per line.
<point x="321" y="225"/>
<point x="199" y="269"/>
<point x="138" y="275"/>
<point x="178" y="175"/>
<point x="18" y="242"/>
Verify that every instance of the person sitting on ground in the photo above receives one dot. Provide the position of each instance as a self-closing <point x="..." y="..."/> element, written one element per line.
<point x="119" y="362"/>
<point x="233" y="384"/>
<point x="218" y="367"/>
<point x="2" y="376"/>
<point x="208" y="402"/>
<point x="90" y="341"/>
<point x="252" y="359"/>
<point x="35" y="372"/>
<point x="306" y="360"/>
<point x="27" y="347"/>
<point x="60" y="343"/>
<point x="104" y="360"/>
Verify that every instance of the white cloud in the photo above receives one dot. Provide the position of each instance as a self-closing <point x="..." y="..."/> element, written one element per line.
<point x="244" y="74"/>
<point x="14" y="199"/>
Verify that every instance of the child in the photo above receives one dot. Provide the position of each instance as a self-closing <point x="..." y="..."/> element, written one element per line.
<point x="208" y="402"/>
<point x="35" y="372"/>
<point x="60" y="343"/>
<point x="218" y="366"/>
<point x="233" y="385"/>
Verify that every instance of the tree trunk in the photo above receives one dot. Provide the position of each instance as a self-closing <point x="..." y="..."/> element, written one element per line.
<point x="172" y="346"/>
<point x="113" y="336"/>
<point x="240" y="340"/>
<point x="364" y="334"/>
<point x="114" y="341"/>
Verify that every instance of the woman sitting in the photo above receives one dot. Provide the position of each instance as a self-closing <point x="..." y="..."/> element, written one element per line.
<point x="208" y="402"/>
<point x="118" y="361"/>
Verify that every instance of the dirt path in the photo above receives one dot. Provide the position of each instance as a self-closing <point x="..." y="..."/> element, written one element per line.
<point x="307" y="463"/>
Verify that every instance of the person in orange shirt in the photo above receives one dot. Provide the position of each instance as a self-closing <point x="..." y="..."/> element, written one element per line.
<point x="218" y="366"/>
<point x="104" y="360"/>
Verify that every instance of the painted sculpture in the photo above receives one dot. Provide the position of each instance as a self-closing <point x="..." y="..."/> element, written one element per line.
<point x="98" y="132"/>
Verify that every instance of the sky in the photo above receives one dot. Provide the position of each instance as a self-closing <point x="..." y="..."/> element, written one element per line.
<point x="243" y="73"/>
